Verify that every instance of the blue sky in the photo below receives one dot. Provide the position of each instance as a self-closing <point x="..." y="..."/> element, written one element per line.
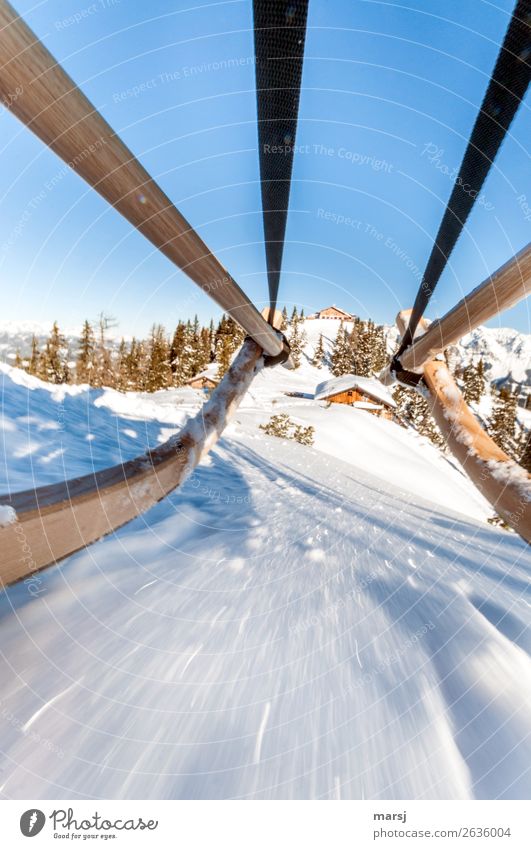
<point x="390" y="93"/>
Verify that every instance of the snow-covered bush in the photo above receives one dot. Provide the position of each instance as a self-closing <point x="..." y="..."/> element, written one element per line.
<point x="278" y="425"/>
<point x="282" y="426"/>
<point x="304" y="435"/>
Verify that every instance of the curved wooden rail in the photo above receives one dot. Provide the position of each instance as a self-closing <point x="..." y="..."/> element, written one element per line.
<point x="39" y="92"/>
<point x="54" y="521"/>
<point x="505" y="484"/>
<point x="501" y="291"/>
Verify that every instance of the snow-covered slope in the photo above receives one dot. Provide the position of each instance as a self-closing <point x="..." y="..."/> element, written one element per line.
<point x="295" y="622"/>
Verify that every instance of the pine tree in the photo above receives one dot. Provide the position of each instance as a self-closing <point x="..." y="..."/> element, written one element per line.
<point x="53" y="362"/>
<point x="341" y="358"/>
<point x="362" y="352"/>
<point x="379" y="355"/>
<point x="121" y="379"/>
<point x="297" y="342"/>
<point x="319" y="353"/>
<point x="525" y="456"/>
<point x="502" y="424"/>
<point x="19" y="362"/>
<point x="480" y="378"/>
<point x="473" y="382"/>
<point x="229" y="337"/>
<point x="284" y="323"/>
<point x="294" y="316"/>
<point x="212" y="341"/>
<point x="85" y="361"/>
<point x="33" y="365"/>
<point x="205" y="346"/>
<point x="133" y="370"/>
<point x="159" y="374"/>
<point x="104" y="372"/>
<point x="178" y="356"/>
<point x="413" y="409"/>
<point x="198" y="345"/>
<point x="224" y="356"/>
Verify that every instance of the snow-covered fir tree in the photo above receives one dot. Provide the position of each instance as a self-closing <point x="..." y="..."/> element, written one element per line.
<point x="341" y="357"/>
<point x="33" y="362"/>
<point x="368" y="348"/>
<point x="104" y="370"/>
<point x="178" y="359"/>
<point x="319" y="353"/>
<point x="53" y="359"/>
<point x="525" y="453"/>
<point x="229" y="337"/>
<point x="473" y="378"/>
<point x="413" y="410"/>
<point x="159" y="375"/>
<point x="85" y="360"/>
<point x="502" y="424"/>
<point x="135" y="366"/>
<point x="121" y="382"/>
<point x="297" y="341"/>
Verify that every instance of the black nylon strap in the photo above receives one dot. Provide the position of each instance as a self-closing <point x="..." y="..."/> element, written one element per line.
<point x="279" y="34"/>
<point x="507" y="87"/>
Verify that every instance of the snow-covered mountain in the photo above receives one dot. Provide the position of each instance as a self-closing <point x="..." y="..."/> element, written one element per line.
<point x="17" y="335"/>
<point x="335" y="621"/>
<point x="505" y="352"/>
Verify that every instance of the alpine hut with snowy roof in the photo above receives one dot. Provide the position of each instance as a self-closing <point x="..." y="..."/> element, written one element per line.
<point x="364" y="393"/>
<point x="205" y="380"/>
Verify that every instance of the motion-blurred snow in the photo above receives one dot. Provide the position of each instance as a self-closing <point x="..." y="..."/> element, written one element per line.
<point x="293" y="623"/>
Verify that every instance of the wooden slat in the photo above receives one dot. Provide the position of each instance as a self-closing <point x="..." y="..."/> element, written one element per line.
<point x="501" y="291"/>
<point x="54" y="521"/>
<point x="499" y="478"/>
<point x="38" y="91"/>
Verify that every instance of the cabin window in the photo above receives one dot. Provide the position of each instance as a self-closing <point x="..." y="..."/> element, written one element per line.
<point x="350" y="393"/>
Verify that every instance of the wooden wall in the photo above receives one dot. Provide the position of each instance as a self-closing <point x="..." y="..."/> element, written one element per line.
<point x="353" y="395"/>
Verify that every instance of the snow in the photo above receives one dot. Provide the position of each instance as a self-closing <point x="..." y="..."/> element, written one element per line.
<point x="511" y="472"/>
<point x="211" y="372"/>
<point x="369" y="386"/>
<point x="7" y="515"/>
<point x="366" y="405"/>
<point x="294" y="622"/>
<point x="50" y="433"/>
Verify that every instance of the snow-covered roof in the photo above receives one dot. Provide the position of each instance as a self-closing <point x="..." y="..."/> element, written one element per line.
<point x="366" y="405"/>
<point x="367" y="385"/>
<point x="336" y="308"/>
<point x="211" y="373"/>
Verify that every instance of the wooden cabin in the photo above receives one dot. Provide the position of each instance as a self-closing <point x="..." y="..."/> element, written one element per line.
<point x="206" y="380"/>
<point x="364" y="393"/>
<point x="332" y="312"/>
